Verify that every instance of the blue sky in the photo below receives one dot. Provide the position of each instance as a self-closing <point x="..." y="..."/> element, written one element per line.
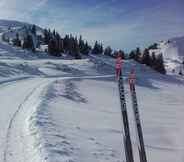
<point x="123" y="24"/>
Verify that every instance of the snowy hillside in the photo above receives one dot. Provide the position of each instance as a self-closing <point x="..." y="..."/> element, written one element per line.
<point x="63" y="110"/>
<point x="6" y="24"/>
<point x="173" y="53"/>
<point x="10" y="29"/>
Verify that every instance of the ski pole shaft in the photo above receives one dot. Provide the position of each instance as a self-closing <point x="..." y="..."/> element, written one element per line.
<point x="126" y="138"/>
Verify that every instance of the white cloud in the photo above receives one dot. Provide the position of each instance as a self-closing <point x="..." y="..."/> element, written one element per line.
<point x="19" y="9"/>
<point x="38" y="5"/>
<point x="133" y="27"/>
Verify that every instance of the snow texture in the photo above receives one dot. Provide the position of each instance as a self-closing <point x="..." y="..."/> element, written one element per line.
<point x="65" y="110"/>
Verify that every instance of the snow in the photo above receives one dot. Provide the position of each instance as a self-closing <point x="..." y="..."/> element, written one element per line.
<point x="66" y="110"/>
<point x="6" y="24"/>
<point x="173" y="53"/>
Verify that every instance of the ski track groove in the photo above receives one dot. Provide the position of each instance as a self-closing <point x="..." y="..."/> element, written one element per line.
<point x="13" y="119"/>
<point x="8" y="82"/>
<point x="163" y="148"/>
<point x="21" y="106"/>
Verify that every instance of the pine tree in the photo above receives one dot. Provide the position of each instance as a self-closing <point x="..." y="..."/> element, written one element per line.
<point x="46" y="36"/>
<point x="154" y="46"/>
<point x="71" y="45"/>
<point x="59" y="43"/>
<point x="146" y="58"/>
<point x="81" y="45"/>
<point x="108" y="51"/>
<point x="86" y="49"/>
<point x="98" y="48"/>
<point x="61" y="48"/>
<point x="16" y="41"/>
<point x="28" y="43"/>
<point x="33" y="29"/>
<point x="95" y="48"/>
<point x="159" y="65"/>
<point x="76" y="49"/>
<point x="101" y="48"/>
<point x="66" y="42"/>
<point x="54" y="33"/>
<point x="132" y="55"/>
<point x="51" y="47"/>
<point x="138" y="55"/>
<point x="153" y="60"/>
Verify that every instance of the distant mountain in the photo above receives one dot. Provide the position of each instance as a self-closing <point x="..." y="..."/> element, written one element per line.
<point x="173" y="52"/>
<point x="9" y="29"/>
<point x="6" y="24"/>
<point x="178" y="45"/>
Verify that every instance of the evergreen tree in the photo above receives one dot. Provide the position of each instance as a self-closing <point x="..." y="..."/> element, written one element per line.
<point x="28" y="43"/>
<point x="101" y="48"/>
<point x="153" y="60"/>
<point x="76" y="49"/>
<point x="33" y="29"/>
<point x="58" y="41"/>
<point x="95" y="48"/>
<point x="132" y="55"/>
<point x="81" y="45"/>
<point x="17" y="41"/>
<point x="86" y="49"/>
<point x="66" y="42"/>
<point x="46" y="36"/>
<point x="146" y="58"/>
<point x="154" y="46"/>
<point x="54" y="33"/>
<point x="159" y="65"/>
<point x="53" y="49"/>
<point x="138" y="55"/>
<point x="71" y="45"/>
<point x="98" y="48"/>
<point x="108" y="51"/>
<point x="61" y="48"/>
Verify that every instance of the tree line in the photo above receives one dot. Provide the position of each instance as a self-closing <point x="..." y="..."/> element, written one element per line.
<point x="75" y="47"/>
<point x="58" y="45"/>
<point x="152" y="60"/>
<point x="69" y="44"/>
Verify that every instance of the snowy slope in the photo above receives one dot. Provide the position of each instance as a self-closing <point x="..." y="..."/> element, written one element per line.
<point x="9" y="30"/>
<point x="6" y="24"/>
<point x="63" y="110"/>
<point x="79" y="119"/>
<point x="173" y="52"/>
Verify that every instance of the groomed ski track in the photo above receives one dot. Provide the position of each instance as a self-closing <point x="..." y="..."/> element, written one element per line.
<point x="15" y="139"/>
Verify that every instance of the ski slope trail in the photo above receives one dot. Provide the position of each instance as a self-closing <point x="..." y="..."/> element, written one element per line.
<point x="13" y="96"/>
<point x="15" y="139"/>
<point x="26" y="95"/>
<point x="80" y="120"/>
